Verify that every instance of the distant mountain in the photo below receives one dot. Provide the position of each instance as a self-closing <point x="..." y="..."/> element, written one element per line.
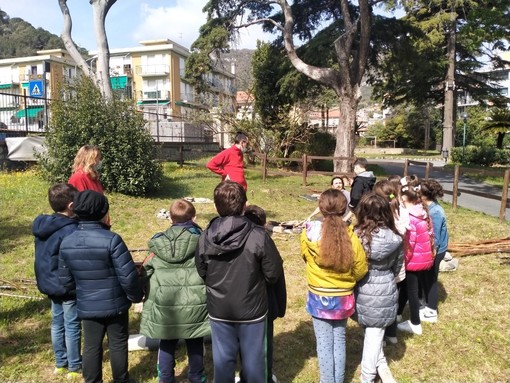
<point x="19" y="38"/>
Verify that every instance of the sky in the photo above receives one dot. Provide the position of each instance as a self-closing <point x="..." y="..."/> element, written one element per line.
<point x="127" y="22"/>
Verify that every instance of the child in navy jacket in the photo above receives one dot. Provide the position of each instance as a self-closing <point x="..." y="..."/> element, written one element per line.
<point x="49" y="231"/>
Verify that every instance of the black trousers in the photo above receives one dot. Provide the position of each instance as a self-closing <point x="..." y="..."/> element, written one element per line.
<point x="94" y="331"/>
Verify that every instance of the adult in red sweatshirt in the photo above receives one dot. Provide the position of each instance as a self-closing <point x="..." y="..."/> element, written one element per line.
<point x="229" y="163"/>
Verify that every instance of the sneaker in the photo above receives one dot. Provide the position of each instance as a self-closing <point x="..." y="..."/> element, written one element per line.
<point x="73" y="375"/>
<point x="385" y="374"/>
<point x="391" y="339"/>
<point x="407" y="326"/>
<point x="428" y="315"/>
<point x="274" y="378"/>
<point x="60" y="370"/>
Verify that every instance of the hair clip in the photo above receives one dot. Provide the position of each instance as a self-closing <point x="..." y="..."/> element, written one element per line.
<point x="392" y="196"/>
<point x="417" y="188"/>
<point x="403" y="181"/>
<point x="405" y="188"/>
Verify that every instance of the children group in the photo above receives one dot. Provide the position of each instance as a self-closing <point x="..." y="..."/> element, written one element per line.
<point x="227" y="281"/>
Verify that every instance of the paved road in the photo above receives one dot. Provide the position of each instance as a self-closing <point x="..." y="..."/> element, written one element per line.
<point x="469" y="201"/>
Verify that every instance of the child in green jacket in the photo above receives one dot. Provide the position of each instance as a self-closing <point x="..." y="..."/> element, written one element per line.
<point x="175" y="306"/>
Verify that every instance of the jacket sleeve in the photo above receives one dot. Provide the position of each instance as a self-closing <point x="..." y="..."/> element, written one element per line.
<point x="356" y="191"/>
<point x="272" y="263"/>
<point x="64" y="274"/>
<point x="200" y="263"/>
<point x="126" y="270"/>
<point x="399" y="261"/>
<point x="217" y="163"/>
<point x="360" y="264"/>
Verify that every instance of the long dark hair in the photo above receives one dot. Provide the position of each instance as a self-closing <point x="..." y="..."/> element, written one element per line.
<point x="373" y="212"/>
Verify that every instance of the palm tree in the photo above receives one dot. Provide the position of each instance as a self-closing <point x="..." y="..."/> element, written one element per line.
<point x="499" y="124"/>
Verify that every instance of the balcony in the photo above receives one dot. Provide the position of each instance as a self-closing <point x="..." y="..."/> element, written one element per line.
<point x="149" y="95"/>
<point x="159" y="70"/>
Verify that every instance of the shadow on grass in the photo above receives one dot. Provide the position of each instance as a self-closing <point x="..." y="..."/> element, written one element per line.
<point x="11" y="230"/>
<point x="292" y="350"/>
<point x="31" y="335"/>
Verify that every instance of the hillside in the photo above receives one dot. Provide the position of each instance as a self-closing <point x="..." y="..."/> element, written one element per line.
<point x="19" y="38"/>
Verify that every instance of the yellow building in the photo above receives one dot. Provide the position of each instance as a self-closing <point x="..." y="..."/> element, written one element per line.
<point x="153" y="75"/>
<point x="34" y="76"/>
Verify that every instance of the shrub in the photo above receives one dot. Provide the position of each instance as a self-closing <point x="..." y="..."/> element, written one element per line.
<point x="81" y="116"/>
<point x="481" y="155"/>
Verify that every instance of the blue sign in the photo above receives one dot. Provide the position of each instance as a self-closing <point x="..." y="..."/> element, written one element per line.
<point x="36" y="88"/>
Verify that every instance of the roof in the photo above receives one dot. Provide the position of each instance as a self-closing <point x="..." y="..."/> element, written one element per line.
<point x="243" y="97"/>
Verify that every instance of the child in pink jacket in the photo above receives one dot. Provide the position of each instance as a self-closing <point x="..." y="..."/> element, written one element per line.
<point x="418" y="250"/>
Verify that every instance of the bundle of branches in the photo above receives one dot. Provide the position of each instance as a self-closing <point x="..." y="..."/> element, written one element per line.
<point x="484" y="247"/>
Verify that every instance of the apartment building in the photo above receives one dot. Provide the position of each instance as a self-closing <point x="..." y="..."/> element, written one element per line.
<point x="152" y="75"/>
<point x="36" y="77"/>
<point x="500" y="77"/>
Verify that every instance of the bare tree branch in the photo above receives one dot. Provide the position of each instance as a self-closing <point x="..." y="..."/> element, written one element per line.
<point x="68" y="41"/>
<point x="259" y="21"/>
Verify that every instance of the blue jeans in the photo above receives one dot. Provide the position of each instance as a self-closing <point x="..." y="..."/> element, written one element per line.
<point x="330" y="336"/>
<point x="231" y="338"/>
<point x="66" y="334"/>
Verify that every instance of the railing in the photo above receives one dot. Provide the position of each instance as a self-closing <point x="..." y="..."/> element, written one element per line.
<point x="152" y="70"/>
<point x="304" y="160"/>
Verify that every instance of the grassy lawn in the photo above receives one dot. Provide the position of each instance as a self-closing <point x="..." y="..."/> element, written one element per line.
<point x="470" y="343"/>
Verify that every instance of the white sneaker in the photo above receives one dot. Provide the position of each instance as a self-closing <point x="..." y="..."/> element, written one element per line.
<point x="428" y="315"/>
<point x="274" y="379"/>
<point x="385" y="374"/>
<point x="407" y="326"/>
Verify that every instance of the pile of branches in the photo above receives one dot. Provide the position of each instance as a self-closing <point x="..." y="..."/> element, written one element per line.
<point x="477" y="248"/>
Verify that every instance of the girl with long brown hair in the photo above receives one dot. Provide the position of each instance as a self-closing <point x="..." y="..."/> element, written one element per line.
<point x="335" y="261"/>
<point x="376" y="293"/>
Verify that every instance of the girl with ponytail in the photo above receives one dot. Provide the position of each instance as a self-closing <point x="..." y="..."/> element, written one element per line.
<point x="335" y="261"/>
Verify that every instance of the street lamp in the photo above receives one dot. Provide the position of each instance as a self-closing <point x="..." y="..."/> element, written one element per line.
<point x="464" y="117"/>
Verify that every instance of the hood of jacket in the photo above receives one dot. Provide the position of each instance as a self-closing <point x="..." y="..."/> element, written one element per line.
<point x="176" y="244"/>
<point x="226" y="235"/>
<point x="417" y="211"/>
<point x="384" y="242"/>
<point x="46" y="225"/>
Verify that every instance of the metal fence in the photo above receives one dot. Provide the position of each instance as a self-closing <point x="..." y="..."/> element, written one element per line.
<point x="21" y="114"/>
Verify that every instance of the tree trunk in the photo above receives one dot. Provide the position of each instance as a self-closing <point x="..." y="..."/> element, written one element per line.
<point x="449" y="97"/>
<point x="499" y="140"/>
<point x="68" y="41"/>
<point x="345" y="132"/>
<point x="100" y="9"/>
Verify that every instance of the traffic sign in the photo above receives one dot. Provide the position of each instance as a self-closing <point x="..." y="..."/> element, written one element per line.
<point x="36" y="88"/>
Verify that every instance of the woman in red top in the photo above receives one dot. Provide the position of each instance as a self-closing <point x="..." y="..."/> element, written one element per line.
<point x="85" y="169"/>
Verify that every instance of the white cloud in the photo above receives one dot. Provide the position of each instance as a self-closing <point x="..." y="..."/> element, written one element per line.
<point x="181" y="23"/>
